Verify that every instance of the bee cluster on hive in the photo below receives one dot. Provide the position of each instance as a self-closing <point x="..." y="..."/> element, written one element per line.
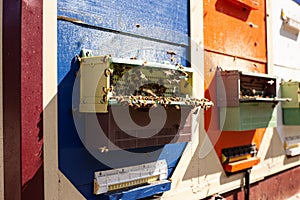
<point x="107" y="81"/>
<point x="145" y="87"/>
<point x="152" y="101"/>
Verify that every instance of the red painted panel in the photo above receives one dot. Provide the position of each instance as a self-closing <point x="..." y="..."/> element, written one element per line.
<point x="234" y="30"/>
<point x="279" y="186"/>
<point x="31" y="95"/>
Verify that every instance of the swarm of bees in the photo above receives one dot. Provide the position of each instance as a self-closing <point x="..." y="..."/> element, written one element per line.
<point x="140" y="101"/>
<point x="146" y="87"/>
<point x="251" y="93"/>
<point x="140" y="80"/>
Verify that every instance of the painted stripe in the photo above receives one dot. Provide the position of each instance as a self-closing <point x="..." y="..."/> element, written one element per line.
<point x="31" y="100"/>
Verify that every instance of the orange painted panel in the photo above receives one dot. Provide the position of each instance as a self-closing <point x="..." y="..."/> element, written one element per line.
<point x="259" y="134"/>
<point x="241" y="165"/>
<point x="225" y="139"/>
<point x="236" y="30"/>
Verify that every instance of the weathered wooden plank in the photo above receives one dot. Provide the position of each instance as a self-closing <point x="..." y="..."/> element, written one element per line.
<point x="72" y="38"/>
<point x="166" y="20"/>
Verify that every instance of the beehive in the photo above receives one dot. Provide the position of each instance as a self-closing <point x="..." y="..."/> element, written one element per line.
<point x="136" y="103"/>
<point x="246" y="101"/>
<point x="291" y="109"/>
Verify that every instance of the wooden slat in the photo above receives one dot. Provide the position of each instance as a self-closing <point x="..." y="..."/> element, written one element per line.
<point x="241" y="165"/>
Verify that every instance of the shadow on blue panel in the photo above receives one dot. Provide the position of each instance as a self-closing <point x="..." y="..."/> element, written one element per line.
<point x="75" y="162"/>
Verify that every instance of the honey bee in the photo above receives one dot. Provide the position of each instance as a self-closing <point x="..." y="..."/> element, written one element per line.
<point x="104" y="89"/>
<point x="103" y="149"/>
<point x="105" y="59"/>
<point x="170" y="52"/>
<point x="108" y="72"/>
<point x="78" y="57"/>
<point x="130" y="104"/>
<point x="104" y="98"/>
<point x="185" y="74"/>
<point x="145" y="103"/>
<point x="180" y="67"/>
<point x="154" y="105"/>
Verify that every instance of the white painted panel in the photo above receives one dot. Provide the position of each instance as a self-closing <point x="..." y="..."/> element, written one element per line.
<point x="286" y="55"/>
<point x="50" y="101"/>
<point x="286" y="66"/>
<point x="286" y="42"/>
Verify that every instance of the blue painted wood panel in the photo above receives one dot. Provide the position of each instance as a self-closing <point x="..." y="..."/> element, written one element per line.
<point x="110" y="28"/>
<point x="73" y="37"/>
<point x="166" y="20"/>
<point x="298" y="1"/>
